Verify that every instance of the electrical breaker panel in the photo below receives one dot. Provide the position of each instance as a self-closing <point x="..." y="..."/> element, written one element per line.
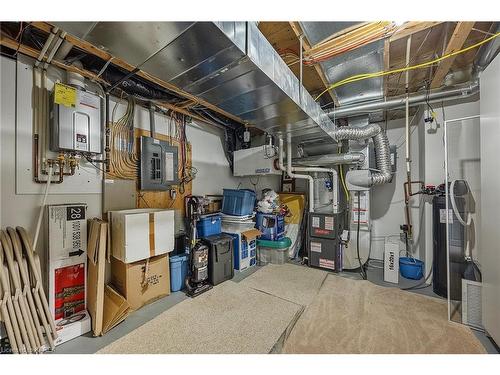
<point x="76" y="126"/>
<point x="159" y="164"/>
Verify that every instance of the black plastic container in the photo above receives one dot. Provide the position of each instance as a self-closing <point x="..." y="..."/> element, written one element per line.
<point x="220" y="258"/>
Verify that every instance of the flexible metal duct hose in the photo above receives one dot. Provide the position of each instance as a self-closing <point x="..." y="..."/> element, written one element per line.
<point x="382" y="152"/>
<point x="357" y="133"/>
<point x="383" y="159"/>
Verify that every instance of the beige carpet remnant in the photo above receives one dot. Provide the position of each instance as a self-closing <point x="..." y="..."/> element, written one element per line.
<point x="292" y="282"/>
<point x="355" y="316"/>
<point x="229" y="318"/>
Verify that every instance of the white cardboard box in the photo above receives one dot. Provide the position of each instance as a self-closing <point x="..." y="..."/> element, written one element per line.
<point x="391" y="262"/>
<point x="141" y="233"/>
<point x="67" y="259"/>
<point x="72" y="327"/>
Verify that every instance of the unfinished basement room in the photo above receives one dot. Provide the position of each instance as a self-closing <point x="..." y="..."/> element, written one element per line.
<point x="304" y="184"/>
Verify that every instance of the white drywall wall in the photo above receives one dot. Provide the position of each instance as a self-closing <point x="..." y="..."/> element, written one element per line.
<point x="213" y="168"/>
<point x="387" y="201"/>
<point x="490" y="236"/>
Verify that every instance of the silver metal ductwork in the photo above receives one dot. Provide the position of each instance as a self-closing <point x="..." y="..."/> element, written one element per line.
<point x="399" y="102"/>
<point x="228" y="64"/>
<point x="331" y="159"/>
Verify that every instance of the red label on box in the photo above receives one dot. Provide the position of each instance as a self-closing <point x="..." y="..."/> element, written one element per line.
<point x="321" y="231"/>
<point x="326" y="263"/>
<point x="69" y="290"/>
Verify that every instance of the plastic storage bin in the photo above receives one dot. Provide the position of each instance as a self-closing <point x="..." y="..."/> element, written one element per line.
<point x="271" y="226"/>
<point x="208" y="226"/>
<point x="244" y="249"/>
<point x="238" y="202"/>
<point x="275" y="252"/>
<point x="411" y="268"/>
<point x="178" y="272"/>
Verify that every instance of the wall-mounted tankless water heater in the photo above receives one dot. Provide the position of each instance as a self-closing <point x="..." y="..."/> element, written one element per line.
<point x="255" y="161"/>
<point x="159" y="164"/>
<point x="75" y="121"/>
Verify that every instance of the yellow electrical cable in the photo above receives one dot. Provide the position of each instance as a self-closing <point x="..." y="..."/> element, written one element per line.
<point x="341" y="170"/>
<point x="360" y="77"/>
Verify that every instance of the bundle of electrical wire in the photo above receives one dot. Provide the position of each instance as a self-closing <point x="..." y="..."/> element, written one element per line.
<point x="123" y="158"/>
<point x="346" y="42"/>
<point x="187" y="172"/>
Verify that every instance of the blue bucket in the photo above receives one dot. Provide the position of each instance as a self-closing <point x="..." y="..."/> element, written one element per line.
<point x="411" y="268"/>
<point x="178" y="272"/>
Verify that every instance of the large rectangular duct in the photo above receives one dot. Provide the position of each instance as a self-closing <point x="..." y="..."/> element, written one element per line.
<point x="228" y="64"/>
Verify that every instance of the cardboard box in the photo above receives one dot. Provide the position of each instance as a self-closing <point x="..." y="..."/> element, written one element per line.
<point x="391" y="262"/>
<point x="106" y="306"/>
<point x="141" y="233"/>
<point x="141" y="282"/>
<point x="96" y="272"/>
<point x="67" y="259"/>
<point x="72" y="327"/>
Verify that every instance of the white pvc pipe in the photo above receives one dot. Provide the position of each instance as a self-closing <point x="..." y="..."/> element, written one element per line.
<point x="288" y="170"/>
<point x="40" y="215"/>
<point x="407" y="110"/>
<point x="333" y="172"/>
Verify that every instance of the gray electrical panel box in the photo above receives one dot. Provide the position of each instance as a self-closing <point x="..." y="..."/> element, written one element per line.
<point x="77" y="127"/>
<point x="159" y="164"/>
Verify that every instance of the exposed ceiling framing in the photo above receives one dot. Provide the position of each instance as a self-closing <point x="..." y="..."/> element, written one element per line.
<point x="283" y="37"/>
<point x="429" y="40"/>
<point x="457" y="40"/>
<point x="297" y="29"/>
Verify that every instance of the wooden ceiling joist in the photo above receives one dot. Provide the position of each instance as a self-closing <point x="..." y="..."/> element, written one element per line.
<point x="412" y="27"/>
<point x="456" y="42"/>
<point x="297" y="29"/>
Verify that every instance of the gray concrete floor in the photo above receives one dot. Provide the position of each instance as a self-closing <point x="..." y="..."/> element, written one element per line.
<point x="87" y="344"/>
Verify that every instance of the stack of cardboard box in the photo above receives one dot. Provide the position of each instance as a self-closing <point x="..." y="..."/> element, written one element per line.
<point x="141" y="240"/>
<point x="135" y="242"/>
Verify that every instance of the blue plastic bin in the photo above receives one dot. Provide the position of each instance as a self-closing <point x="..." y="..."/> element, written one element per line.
<point x="411" y="268"/>
<point x="208" y="226"/>
<point x="178" y="272"/>
<point x="238" y="202"/>
<point x="271" y="226"/>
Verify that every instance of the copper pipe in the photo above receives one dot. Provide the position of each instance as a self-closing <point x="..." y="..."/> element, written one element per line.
<point x="36" y="160"/>
<point x="408" y="193"/>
